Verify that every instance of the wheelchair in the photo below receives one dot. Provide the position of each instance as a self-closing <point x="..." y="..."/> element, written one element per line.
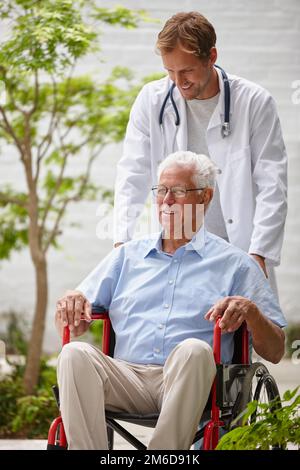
<point x="235" y="385"/>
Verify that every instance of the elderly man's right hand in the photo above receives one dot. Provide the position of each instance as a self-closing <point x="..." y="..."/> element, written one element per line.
<point x="75" y="310"/>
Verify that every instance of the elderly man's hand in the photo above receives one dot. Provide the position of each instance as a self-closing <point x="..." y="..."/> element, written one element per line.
<point x="75" y="310"/>
<point x="233" y="310"/>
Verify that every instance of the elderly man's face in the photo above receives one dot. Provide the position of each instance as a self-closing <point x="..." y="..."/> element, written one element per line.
<point x="180" y="217"/>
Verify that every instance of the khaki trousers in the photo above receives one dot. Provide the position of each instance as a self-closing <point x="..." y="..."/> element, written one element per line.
<point x="90" y="382"/>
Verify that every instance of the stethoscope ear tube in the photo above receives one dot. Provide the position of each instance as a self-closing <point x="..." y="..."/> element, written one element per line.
<point x="226" y="124"/>
<point x="162" y="109"/>
<point x="177" y="122"/>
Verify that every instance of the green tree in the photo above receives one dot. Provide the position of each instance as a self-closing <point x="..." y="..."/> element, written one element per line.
<point x="52" y="117"/>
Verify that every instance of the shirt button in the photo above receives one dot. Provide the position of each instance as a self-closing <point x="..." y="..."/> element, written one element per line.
<point x="166" y="306"/>
<point x="175" y="261"/>
<point x="160" y="326"/>
<point x="156" y="350"/>
<point x="171" y="281"/>
<point x="230" y="221"/>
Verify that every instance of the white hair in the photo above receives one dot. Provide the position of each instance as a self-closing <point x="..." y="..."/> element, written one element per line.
<point x="205" y="170"/>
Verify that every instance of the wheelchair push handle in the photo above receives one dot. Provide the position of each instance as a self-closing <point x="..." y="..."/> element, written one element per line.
<point x="244" y="341"/>
<point x="217" y="341"/>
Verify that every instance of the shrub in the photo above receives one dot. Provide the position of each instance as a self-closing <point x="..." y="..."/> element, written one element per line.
<point x="34" y="414"/>
<point x="96" y="330"/>
<point x="273" y="427"/>
<point x="10" y="390"/>
<point x="27" y="416"/>
<point x="16" y="334"/>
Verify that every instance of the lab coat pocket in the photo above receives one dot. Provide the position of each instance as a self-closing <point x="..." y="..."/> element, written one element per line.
<point x="240" y="175"/>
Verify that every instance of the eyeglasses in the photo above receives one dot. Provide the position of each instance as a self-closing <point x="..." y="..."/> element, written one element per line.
<point x="177" y="191"/>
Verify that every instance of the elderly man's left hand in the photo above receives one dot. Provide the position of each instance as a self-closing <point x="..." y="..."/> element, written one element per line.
<point x="233" y="310"/>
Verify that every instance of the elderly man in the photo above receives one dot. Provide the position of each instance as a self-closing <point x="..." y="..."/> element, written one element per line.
<point x="163" y="294"/>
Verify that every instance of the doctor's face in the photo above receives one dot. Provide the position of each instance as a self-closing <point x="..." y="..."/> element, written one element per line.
<point x="194" y="78"/>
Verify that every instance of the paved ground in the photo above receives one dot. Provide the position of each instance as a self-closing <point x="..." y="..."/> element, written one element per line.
<point x="286" y="374"/>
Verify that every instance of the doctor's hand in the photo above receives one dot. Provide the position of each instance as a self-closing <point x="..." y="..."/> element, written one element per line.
<point x="233" y="310"/>
<point x="75" y="310"/>
<point x="118" y="244"/>
<point x="261" y="261"/>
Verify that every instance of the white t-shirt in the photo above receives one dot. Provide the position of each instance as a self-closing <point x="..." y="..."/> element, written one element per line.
<point x="199" y="113"/>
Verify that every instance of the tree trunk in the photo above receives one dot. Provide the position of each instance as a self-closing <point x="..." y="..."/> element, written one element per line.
<point x="36" y="341"/>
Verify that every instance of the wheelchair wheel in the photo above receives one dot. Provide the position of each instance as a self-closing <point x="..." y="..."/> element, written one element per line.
<point x="258" y="385"/>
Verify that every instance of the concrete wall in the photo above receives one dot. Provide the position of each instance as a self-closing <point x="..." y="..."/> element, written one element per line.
<point x="259" y="40"/>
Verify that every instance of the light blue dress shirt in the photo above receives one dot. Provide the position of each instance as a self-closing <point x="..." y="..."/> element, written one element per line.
<point x="156" y="300"/>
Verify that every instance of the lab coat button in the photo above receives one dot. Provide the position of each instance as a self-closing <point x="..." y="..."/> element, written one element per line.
<point x="219" y="171"/>
<point x="230" y="221"/>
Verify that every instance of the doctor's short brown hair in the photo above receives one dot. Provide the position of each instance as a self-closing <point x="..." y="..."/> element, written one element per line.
<point x="192" y="31"/>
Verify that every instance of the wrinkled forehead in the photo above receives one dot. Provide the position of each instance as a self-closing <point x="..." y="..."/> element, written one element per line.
<point x="177" y="175"/>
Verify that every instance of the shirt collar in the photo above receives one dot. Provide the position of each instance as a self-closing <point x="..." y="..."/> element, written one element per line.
<point x="154" y="243"/>
<point x="197" y="243"/>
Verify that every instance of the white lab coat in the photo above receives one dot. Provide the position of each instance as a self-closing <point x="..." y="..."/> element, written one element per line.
<point x="252" y="162"/>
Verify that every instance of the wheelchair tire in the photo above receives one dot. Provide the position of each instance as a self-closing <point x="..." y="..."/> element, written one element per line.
<point x="265" y="388"/>
<point x="258" y="385"/>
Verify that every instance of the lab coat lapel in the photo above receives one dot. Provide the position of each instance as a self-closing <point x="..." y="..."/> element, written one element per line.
<point x="218" y="114"/>
<point x="217" y="145"/>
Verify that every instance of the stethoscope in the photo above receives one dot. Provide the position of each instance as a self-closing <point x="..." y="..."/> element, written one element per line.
<point x="226" y="131"/>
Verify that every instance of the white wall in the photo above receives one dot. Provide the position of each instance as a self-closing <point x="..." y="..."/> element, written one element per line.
<point x="258" y="40"/>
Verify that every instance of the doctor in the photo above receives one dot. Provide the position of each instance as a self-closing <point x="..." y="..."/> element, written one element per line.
<point x="197" y="107"/>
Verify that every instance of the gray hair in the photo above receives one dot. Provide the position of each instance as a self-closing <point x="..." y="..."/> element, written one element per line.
<point x="205" y="170"/>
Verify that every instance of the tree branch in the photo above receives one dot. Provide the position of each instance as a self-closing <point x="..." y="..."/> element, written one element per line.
<point x="54" y="121"/>
<point x="8" y="128"/>
<point x="49" y="134"/>
<point x="92" y="158"/>
<point x="54" y="192"/>
<point x="76" y="197"/>
<point x="54" y="232"/>
<point x="6" y="199"/>
<point x="36" y="93"/>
